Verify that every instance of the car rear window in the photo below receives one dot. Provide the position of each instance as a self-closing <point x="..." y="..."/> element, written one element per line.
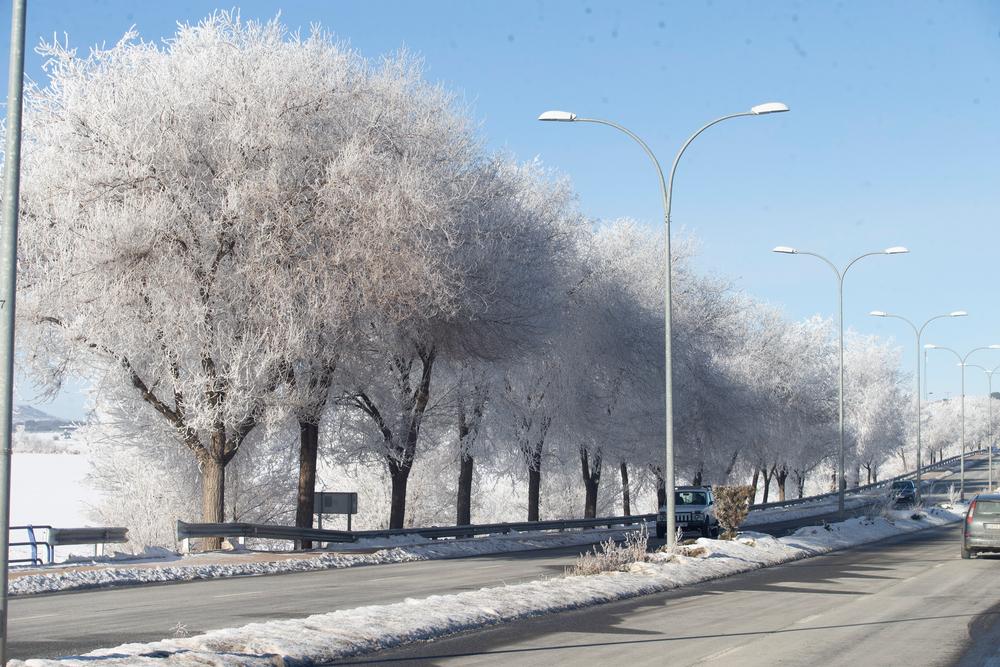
<point x="902" y="485"/>
<point x="987" y="507"/>
<point x="690" y="498"/>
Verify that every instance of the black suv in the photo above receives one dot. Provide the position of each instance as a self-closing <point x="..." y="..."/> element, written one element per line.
<point x="904" y="492"/>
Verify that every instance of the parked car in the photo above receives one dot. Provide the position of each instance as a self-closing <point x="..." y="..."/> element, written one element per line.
<point x="904" y="492"/>
<point x="982" y="525"/>
<point x="694" y="511"/>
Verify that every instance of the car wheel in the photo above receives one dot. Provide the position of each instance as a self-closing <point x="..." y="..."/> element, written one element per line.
<point x="966" y="554"/>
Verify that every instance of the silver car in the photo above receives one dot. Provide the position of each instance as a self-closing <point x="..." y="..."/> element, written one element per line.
<point x="982" y="525"/>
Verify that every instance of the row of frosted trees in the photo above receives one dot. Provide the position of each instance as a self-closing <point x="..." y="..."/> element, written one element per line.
<point x="242" y="229"/>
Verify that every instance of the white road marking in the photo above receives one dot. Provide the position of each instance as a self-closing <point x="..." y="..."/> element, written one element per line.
<point x="15" y="619"/>
<point x="233" y="595"/>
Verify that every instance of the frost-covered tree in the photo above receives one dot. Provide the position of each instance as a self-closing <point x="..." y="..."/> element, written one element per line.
<point x="501" y="237"/>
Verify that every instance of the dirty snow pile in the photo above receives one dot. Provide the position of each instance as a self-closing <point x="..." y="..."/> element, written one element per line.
<point x="187" y="568"/>
<point x="364" y="630"/>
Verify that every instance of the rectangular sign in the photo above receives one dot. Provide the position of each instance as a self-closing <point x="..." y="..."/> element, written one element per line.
<point x="335" y="502"/>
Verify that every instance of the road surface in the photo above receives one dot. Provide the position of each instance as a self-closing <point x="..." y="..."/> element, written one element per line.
<point x="905" y="601"/>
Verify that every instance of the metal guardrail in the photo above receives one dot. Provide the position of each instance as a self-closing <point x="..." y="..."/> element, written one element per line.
<point x="187" y="531"/>
<point x="866" y="487"/>
<point x="64" y="536"/>
<point x="96" y="535"/>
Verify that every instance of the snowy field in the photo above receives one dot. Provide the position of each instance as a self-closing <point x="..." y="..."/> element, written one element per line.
<point x="49" y="489"/>
<point x="365" y="630"/>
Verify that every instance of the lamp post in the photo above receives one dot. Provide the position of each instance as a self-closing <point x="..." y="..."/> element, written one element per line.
<point x="962" y="364"/>
<point x="895" y="250"/>
<point x="989" y="417"/>
<point x="8" y="289"/>
<point x="666" y="191"/>
<point x="918" y="331"/>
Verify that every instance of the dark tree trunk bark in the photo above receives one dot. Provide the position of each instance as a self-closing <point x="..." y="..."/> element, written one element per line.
<point x="661" y="491"/>
<point x="767" y="483"/>
<point x="732" y="464"/>
<point x="213" y="497"/>
<point x="534" y="479"/>
<point x="780" y="476"/>
<point x="308" y="452"/>
<point x="591" y="482"/>
<point x="697" y="478"/>
<point x="626" y="499"/>
<point x="400" y="475"/>
<point x="833" y="482"/>
<point x="753" y="483"/>
<point x="800" y="483"/>
<point x="464" y="505"/>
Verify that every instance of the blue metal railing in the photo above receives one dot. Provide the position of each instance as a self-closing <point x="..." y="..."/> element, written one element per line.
<point x="34" y="543"/>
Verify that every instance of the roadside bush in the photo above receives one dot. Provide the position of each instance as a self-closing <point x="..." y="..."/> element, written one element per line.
<point x="732" y="504"/>
<point x="613" y="557"/>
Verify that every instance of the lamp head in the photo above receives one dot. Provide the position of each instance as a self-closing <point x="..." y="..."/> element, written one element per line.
<point x="879" y="313"/>
<point x="768" y="107"/>
<point x="896" y="250"/>
<point x="563" y="116"/>
<point x="957" y="313"/>
<point x="931" y="346"/>
<point x="785" y="250"/>
<point x="993" y="347"/>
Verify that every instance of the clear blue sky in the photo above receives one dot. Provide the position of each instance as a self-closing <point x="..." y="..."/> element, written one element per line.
<point x="893" y="139"/>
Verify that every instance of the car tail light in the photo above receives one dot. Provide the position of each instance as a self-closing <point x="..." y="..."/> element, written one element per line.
<point x="972" y="508"/>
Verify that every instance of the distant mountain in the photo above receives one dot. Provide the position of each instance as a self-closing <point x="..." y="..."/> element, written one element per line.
<point x="33" y="419"/>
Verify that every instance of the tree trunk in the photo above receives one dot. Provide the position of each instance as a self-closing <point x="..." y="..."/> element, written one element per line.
<point x="400" y="474"/>
<point x="800" y="484"/>
<point x="781" y="475"/>
<point x="732" y="464"/>
<point x="661" y="491"/>
<point x="213" y="497"/>
<point x="591" y="482"/>
<point x="753" y="483"/>
<point x="308" y="450"/>
<point x="767" y="483"/>
<point x="464" y="505"/>
<point x="626" y="500"/>
<point x="534" y="478"/>
<point x="833" y="482"/>
<point x="696" y="481"/>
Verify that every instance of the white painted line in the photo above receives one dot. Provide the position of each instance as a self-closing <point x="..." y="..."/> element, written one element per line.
<point x="15" y="619"/>
<point x="233" y="595"/>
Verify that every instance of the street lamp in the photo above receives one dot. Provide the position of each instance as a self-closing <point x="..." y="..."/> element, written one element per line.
<point x="666" y="191"/>
<point x="961" y="363"/>
<point x="918" y="331"/>
<point x="989" y="412"/>
<point x="894" y="250"/>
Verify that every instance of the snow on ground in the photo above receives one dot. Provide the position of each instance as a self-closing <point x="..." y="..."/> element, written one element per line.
<point x="803" y="510"/>
<point x="160" y="567"/>
<point x="364" y="630"/>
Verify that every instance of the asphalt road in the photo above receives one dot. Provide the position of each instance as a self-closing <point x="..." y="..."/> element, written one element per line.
<point x="905" y="601"/>
<point x="74" y="623"/>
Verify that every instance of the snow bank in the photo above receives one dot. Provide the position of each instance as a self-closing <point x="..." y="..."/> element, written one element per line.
<point x="366" y="629"/>
<point x="101" y="574"/>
